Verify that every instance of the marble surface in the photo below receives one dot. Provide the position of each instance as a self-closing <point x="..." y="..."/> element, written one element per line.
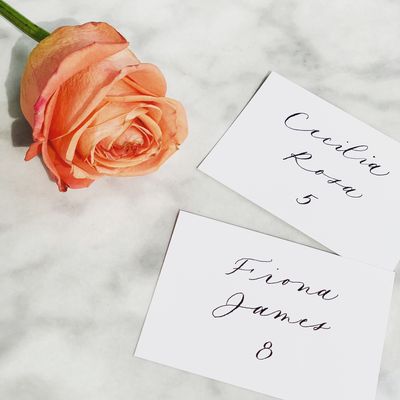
<point x="78" y="269"/>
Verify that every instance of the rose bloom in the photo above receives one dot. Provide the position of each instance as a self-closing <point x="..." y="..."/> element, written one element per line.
<point x="95" y="109"/>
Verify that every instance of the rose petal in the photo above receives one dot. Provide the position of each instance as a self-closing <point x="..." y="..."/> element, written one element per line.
<point x="81" y="94"/>
<point x="58" y="57"/>
<point x="148" y="79"/>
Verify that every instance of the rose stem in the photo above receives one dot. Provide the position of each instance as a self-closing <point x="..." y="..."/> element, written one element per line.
<point x="22" y="23"/>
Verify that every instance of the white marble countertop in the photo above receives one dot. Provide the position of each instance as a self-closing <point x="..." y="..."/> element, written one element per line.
<point x="78" y="269"/>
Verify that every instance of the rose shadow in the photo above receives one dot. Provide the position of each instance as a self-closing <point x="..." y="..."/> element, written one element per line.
<point x="21" y="132"/>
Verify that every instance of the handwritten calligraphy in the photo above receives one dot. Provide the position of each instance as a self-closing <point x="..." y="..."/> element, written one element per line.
<point x="349" y="152"/>
<point x="358" y="153"/>
<point x="266" y="272"/>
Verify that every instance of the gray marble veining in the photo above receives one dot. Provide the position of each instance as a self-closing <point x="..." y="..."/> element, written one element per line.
<point x="78" y="269"/>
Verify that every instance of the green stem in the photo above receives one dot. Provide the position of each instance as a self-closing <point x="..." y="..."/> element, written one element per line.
<point x="22" y="23"/>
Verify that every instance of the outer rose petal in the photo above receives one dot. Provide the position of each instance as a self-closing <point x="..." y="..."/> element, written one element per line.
<point x="66" y="177"/>
<point x="174" y="122"/>
<point x="148" y="79"/>
<point x="58" y="57"/>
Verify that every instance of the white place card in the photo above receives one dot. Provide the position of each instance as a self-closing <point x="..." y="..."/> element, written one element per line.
<point x="317" y="168"/>
<point x="267" y="314"/>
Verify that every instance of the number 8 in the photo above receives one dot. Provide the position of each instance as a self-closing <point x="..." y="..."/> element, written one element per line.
<point x="267" y="348"/>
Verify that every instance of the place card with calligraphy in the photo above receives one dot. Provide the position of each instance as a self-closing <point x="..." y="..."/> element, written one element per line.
<point x="316" y="167"/>
<point x="266" y="314"/>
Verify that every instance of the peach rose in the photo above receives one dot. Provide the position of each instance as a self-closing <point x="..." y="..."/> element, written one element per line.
<point x="95" y="109"/>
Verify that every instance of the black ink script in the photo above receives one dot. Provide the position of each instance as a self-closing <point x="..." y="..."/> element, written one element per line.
<point x="255" y="270"/>
<point x="265" y="352"/>
<point x="236" y="302"/>
<point x="306" y="199"/>
<point x="304" y="157"/>
<point x="357" y="153"/>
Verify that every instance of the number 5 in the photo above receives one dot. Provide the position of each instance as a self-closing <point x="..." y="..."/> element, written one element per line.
<point x="306" y="199"/>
